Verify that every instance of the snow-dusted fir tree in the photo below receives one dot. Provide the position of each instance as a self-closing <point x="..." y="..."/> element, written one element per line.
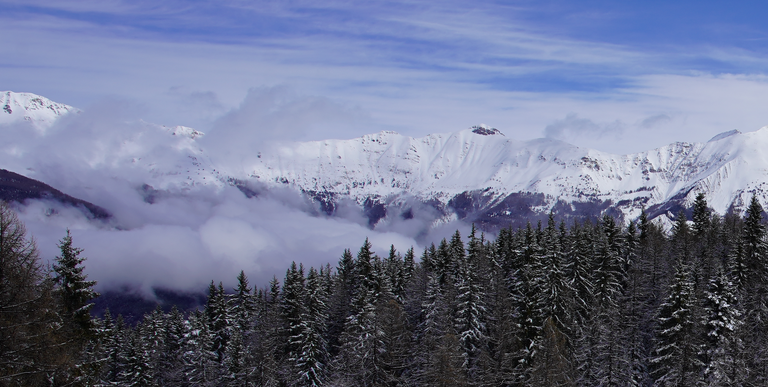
<point x="75" y="294"/>
<point x="171" y="362"/>
<point x="393" y="274"/>
<point x="340" y="300"/>
<point x="578" y="272"/>
<point x="723" y="346"/>
<point x="139" y="371"/>
<point x="312" y="357"/>
<point x="676" y="359"/>
<point x="554" y="288"/>
<point x="75" y="291"/>
<point x="360" y="357"/>
<point x="218" y="318"/>
<point x="201" y="366"/>
<point x="603" y="349"/>
<point x="754" y="297"/>
<point x="470" y="320"/>
<point x="439" y="351"/>
<point x="292" y="306"/>
<point x="268" y="340"/>
<point x="242" y="305"/>
<point x="236" y="362"/>
<point x="527" y="315"/>
<point x="112" y="338"/>
<point x="152" y="333"/>
<point x="755" y="248"/>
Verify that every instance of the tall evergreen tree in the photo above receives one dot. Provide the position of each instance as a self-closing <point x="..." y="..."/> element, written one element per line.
<point x="219" y="321"/>
<point x="701" y="215"/>
<point x="676" y="357"/>
<point x="360" y="357"/>
<point x="723" y="346"/>
<point x="294" y="290"/>
<point x="75" y="290"/>
<point x="33" y="346"/>
<point x="754" y="295"/>
<point x="312" y="359"/>
<point x="470" y="320"/>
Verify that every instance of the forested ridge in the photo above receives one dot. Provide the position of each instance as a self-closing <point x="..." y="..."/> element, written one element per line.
<point x="593" y="303"/>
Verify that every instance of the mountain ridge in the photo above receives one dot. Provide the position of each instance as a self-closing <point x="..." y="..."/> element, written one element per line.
<point x="477" y="174"/>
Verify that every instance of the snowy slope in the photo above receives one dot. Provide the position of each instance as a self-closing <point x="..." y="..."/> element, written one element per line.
<point x="41" y="112"/>
<point x="476" y="174"/>
<point x="727" y="169"/>
<point x="165" y="158"/>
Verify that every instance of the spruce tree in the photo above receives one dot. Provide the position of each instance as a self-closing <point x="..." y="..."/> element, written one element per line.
<point x="218" y="319"/>
<point x="243" y="304"/>
<point x="676" y="358"/>
<point x="722" y="323"/>
<point x="292" y="311"/>
<point x="755" y="298"/>
<point x="171" y="362"/>
<point x="111" y="337"/>
<point x="34" y="349"/>
<point x="360" y="357"/>
<point x="311" y="362"/>
<point x="470" y="320"/>
<point x="701" y="216"/>
<point x="75" y="291"/>
<point x="201" y="365"/>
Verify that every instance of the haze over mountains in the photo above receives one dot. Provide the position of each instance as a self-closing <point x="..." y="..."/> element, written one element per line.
<point x="184" y="211"/>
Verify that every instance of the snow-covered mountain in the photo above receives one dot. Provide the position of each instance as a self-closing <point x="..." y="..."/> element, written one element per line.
<point x="477" y="174"/>
<point x="41" y="112"/>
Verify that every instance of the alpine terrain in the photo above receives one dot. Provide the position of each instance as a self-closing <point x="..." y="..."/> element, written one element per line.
<point x="478" y="174"/>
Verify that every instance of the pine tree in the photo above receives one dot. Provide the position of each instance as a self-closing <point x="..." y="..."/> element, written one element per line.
<point x="754" y="297"/>
<point x="470" y="309"/>
<point x="578" y="272"/>
<point x="75" y="291"/>
<point x="139" y="370"/>
<point x="681" y="238"/>
<point x="722" y="325"/>
<point x="236" y="361"/>
<point x="33" y="348"/>
<point x="604" y="334"/>
<point x="111" y="336"/>
<point x="313" y="355"/>
<point x="360" y="357"/>
<point x="701" y="215"/>
<point x="171" y="362"/>
<point x="217" y="316"/>
<point x="675" y="361"/>
<point x="555" y="290"/>
<point x="440" y="350"/>
<point x="268" y="338"/>
<point x="292" y="311"/>
<point x="524" y="289"/>
<point x="152" y="333"/>
<point x="243" y="304"/>
<point x="201" y="366"/>
<point x="754" y="244"/>
<point x="340" y="300"/>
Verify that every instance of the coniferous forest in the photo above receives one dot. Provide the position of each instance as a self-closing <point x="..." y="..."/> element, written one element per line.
<point x="593" y="303"/>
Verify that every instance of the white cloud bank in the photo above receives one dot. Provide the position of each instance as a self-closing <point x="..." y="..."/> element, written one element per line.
<point x="189" y="235"/>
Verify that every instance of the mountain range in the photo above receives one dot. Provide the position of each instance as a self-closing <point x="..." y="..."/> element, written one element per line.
<point x="475" y="175"/>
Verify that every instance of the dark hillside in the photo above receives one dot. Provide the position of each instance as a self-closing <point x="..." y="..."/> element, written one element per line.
<point x="18" y="188"/>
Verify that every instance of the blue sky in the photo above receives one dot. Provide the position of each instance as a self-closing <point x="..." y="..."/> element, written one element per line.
<point x="616" y="76"/>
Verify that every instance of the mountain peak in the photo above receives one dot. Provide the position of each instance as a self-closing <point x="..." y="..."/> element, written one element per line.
<point x="485" y="130"/>
<point x="724" y="135"/>
<point x="36" y="109"/>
